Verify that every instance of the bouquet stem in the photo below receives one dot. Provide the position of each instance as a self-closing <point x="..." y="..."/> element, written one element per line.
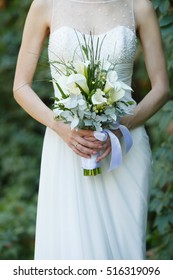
<point x="92" y="172"/>
<point x="90" y="166"/>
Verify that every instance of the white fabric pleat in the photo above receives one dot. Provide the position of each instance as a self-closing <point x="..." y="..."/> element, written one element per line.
<point x="102" y="217"/>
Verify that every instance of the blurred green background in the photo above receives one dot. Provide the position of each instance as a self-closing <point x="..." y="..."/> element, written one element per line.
<point x="21" y="142"/>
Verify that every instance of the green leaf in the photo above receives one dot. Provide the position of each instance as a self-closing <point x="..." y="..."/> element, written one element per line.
<point x="166" y="20"/>
<point x="64" y="96"/>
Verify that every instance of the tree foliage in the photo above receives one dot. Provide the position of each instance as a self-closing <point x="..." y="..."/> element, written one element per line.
<point x="160" y="229"/>
<point x="21" y="141"/>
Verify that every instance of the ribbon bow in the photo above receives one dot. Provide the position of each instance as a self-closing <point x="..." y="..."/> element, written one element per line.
<point x="116" y="153"/>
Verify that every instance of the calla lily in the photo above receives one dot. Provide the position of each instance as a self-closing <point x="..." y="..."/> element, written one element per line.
<point x="72" y="101"/>
<point x="111" y="79"/>
<point x="114" y="95"/>
<point x="73" y="88"/>
<point x="113" y="82"/>
<point x="98" y="98"/>
<point x="79" y="80"/>
<point x="81" y="67"/>
<point x="120" y="85"/>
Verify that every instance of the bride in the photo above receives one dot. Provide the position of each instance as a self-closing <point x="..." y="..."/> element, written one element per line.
<point x="103" y="216"/>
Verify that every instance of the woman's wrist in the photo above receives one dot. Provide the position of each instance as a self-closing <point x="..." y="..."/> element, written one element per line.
<point x="53" y="123"/>
<point x="129" y="121"/>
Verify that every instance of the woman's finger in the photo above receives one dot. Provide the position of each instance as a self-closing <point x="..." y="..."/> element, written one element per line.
<point x="104" y="154"/>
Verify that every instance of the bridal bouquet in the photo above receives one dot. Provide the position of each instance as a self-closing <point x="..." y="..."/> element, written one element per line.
<point x="91" y="98"/>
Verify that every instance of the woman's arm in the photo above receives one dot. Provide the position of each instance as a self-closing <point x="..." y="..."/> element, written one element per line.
<point x="36" y="30"/>
<point x="149" y="34"/>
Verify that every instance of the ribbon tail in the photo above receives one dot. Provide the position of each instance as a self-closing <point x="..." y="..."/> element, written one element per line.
<point x="116" y="154"/>
<point x="127" y="137"/>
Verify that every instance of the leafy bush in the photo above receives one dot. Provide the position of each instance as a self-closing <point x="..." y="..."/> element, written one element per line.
<point x="160" y="237"/>
<point x="160" y="228"/>
<point x="21" y="142"/>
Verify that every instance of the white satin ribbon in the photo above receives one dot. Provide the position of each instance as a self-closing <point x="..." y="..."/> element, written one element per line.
<point x="116" y="151"/>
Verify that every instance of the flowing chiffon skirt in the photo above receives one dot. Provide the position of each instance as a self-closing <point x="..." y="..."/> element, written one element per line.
<point x="101" y="217"/>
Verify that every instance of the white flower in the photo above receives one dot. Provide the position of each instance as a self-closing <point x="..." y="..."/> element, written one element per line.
<point x="73" y="101"/>
<point x="114" y="95"/>
<point x="79" y="80"/>
<point x="113" y="82"/>
<point x="74" y="122"/>
<point x="111" y="79"/>
<point x="82" y="104"/>
<point x="73" y="88"/>
<point x="81" y="67"/>
<point x="98" y="98"/>
<point x="106" y="65"/>
<point x="69" y="103"/>
<point x="67" y="115"/>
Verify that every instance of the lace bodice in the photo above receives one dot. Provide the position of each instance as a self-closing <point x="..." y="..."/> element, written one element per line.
<point x="112" y="19"/>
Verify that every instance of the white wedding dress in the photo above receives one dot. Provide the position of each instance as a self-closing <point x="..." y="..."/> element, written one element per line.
<point x="101" y="217"/>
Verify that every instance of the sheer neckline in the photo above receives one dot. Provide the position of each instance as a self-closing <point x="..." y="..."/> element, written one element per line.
<point x="90" y="16"/>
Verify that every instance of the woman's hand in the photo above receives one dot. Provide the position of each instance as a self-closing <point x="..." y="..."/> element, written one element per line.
<point x="106" y="147"/>
<point x="82" y="142"/>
